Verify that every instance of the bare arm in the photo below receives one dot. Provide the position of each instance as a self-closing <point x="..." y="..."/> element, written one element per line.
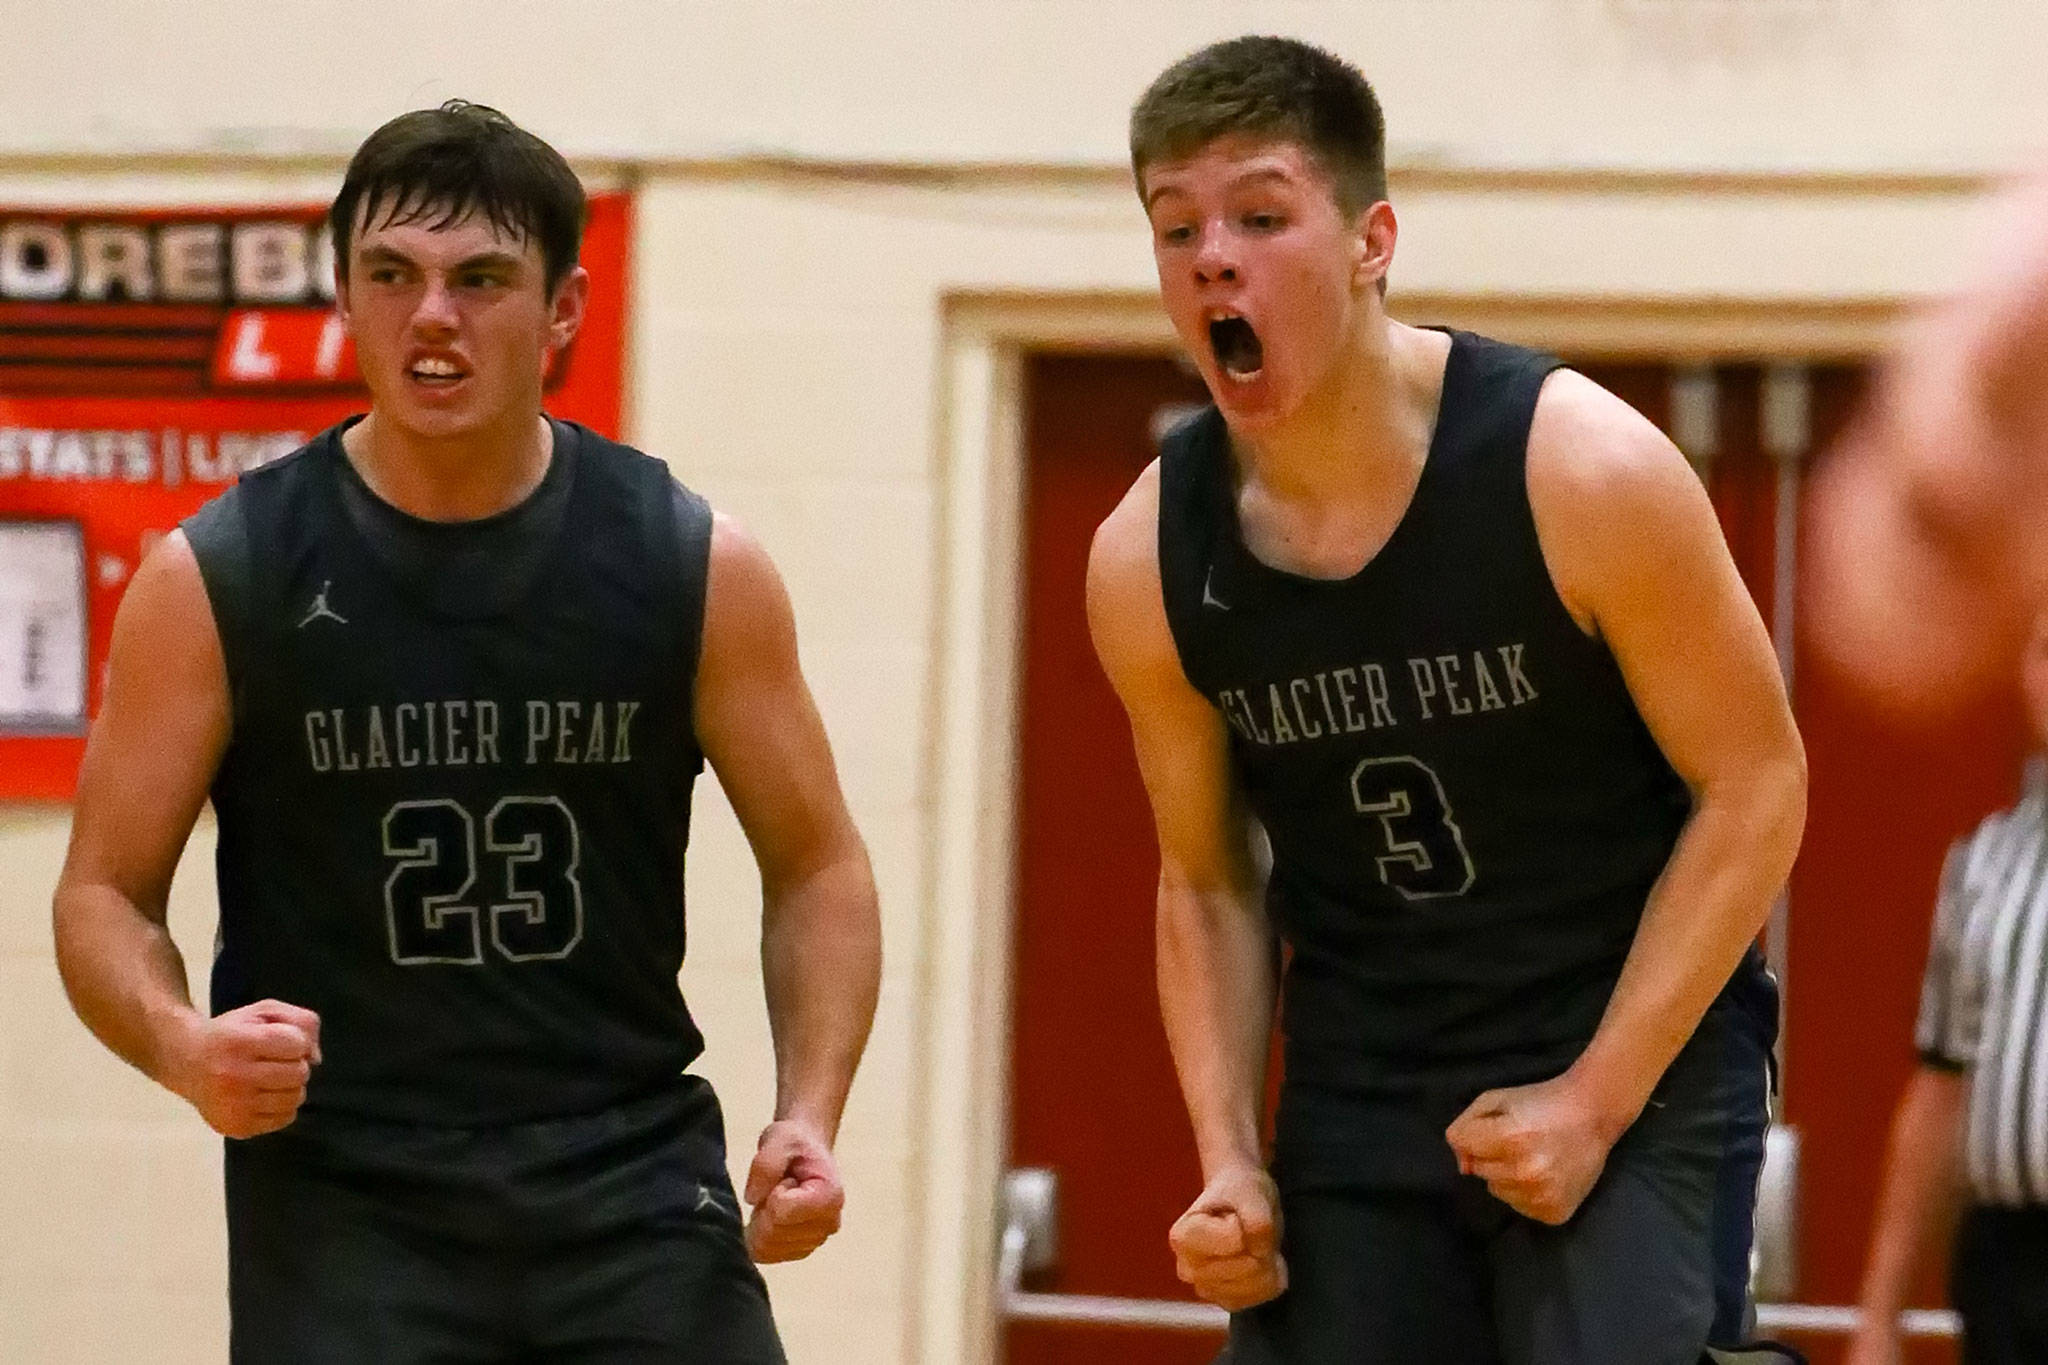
<point x="821" y="940"/>
<point x="1919" y="1201"/>
<point x="1640" y="552"/>
<point x="1216" y="973"/>
<point x="1216" y="967"/>
<point x="1636" y="552"/>
<point x="150" y="759"/>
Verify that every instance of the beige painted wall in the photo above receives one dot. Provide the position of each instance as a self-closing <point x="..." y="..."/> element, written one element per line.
<point x="822" y="328"/>
<point x="1788" y="83"/>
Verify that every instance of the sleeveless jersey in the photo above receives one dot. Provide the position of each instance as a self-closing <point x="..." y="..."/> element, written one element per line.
<point x="456" y="797"/>
<point x="1465" y="810"/>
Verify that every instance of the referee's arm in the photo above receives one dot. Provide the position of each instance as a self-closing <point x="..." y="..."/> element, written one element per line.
<point x="1920" y="1200"/>
<point x="1921" y="1193"/>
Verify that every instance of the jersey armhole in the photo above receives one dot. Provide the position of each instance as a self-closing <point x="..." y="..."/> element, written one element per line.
<point x="219" y="536"/>
<point x="1180" y="540"/>
<point x="692" y="528"/>
<point x="1542" y="367"/>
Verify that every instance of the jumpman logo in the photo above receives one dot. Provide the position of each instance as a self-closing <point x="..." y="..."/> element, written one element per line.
<point x="320" y="608"/>
<point x="707" y="1200"/>
<point x="1209" y="597"/>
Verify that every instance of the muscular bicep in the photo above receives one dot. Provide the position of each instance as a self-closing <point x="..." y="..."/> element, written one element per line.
<point x="1637" y="553"/>
<point x="1181" y="745"/>
<point x="755" y="717"/>
<point x="163" y="725"/>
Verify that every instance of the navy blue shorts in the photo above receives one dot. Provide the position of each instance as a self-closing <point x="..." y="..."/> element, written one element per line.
<point x="604" y="1239"/>
<point x="1653" y="1269"/>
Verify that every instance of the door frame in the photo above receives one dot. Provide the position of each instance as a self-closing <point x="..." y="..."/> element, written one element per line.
<point x="959" y="1100"/>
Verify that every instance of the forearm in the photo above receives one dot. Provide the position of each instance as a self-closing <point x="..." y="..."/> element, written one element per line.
<point x="1730" y="861"/>
<point x="1920" y="1195"/>
<point x="125" y="977"/>
<point x="821" y="967"/>
<point x="1218" y="977"/>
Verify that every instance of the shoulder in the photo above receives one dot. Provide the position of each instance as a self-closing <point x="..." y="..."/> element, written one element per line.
<point x="218" y="522"/>
<point x="1126" y="601"/>
<point x="165" y="614"/>
<point x="2028" y="815"/>
<point x="287" y="468"/>
<point x="170" y="563"/>
<point x="737" y="557"/>
<point x="1599" y="468"/>
<point x="616" y="458"/>
<point x="1123" y="560"/>
<point x="1618" y="510"/>
<point x="1132" y="527"/>
<point x="746" y="605"/>
<point x="1587" y="444"/>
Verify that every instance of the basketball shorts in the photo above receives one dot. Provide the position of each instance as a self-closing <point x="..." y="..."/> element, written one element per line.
<point x="1653" y="1269"/>
<point x="610" y="1238"/>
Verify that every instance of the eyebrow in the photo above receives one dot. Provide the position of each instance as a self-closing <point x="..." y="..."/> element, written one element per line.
<point x="384" y="255"/>
<point x="1261" y="173"/>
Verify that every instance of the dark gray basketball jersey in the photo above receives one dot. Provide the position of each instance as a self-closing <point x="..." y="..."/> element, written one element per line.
<point x="1466" y="810"/>
<point x="455" y="803"/>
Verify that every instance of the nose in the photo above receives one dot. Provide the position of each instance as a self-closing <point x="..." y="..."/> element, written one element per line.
<point x="1216" y="258"/>
<point x="435" y="315"/>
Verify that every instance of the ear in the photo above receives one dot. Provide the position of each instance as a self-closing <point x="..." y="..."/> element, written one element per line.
<point x="566" y="309"/>
<point x="1373" y="245"/>
<point x="341" y="294"/>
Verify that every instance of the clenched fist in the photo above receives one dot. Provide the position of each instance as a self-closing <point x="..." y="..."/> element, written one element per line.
<point x="1539" y="1148"/>
<point x="245" y="1071"/>
<point x="795" y="1190"/>
<point x="1227" y="1245"/>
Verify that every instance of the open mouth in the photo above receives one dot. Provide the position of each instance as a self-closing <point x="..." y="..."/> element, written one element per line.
<point x="1236" y="346"/>
<point x="437" y="373"/>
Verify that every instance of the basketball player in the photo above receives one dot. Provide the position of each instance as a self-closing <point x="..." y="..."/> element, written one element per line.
<point x="1459" y="630"/>
<point x="1928" y="555"/>
<point x="448" y="673"/>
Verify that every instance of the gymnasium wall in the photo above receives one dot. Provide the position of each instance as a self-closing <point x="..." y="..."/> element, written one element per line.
<point x="831" y="201"/>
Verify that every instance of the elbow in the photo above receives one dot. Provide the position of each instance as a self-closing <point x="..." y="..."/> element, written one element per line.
<point x="1795" y="787"/>
<point x="1193" y="909"/>
<point x="1765" y="799"/>
<point x="62" y="914"/>
<point x="65" y="911"/>
<point x="1779" y="796"/>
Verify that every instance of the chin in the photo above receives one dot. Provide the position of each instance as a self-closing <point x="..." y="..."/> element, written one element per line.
<point x="1250" y="408"/>
<point x="436" y="424"/>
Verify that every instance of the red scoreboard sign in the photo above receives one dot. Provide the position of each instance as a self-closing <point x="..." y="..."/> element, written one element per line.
<point x="146" y="360"/>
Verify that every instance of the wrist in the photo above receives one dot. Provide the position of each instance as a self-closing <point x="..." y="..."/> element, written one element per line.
<point x="1608" y="1092"/>
<point x="1881" y="1301"/>
<point x="1234" y="1152"/>
<point x="818" y="1121"/>
<point x="174" y="1034"/>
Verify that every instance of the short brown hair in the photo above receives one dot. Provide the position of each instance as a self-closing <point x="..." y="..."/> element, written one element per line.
<point x="1280" y="88"/>
<point x="438" y="165"/>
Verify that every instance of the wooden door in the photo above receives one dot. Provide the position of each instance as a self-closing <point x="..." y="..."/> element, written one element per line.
<point x="1092" y="1090"/>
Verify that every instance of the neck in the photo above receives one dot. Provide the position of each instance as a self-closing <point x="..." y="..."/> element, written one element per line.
<point x="1366" y="429"/>
<point x="457" y="478"/>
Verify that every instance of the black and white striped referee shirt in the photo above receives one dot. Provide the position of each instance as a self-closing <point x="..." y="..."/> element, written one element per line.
<point x="1984" y="1002"/>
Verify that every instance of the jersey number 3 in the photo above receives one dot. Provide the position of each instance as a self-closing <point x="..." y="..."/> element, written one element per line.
<point x="536" y="911"/>
<point x="1426" y="857"/>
